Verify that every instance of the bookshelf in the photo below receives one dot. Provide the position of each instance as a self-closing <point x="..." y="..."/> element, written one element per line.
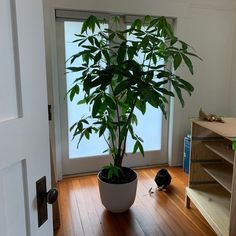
<point x="212" y="176"/>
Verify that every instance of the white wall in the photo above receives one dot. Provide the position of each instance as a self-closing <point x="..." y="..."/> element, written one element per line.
<point x="211" y="32"/>
<point x="207" y="25"/>
<point x="233" y="79"/>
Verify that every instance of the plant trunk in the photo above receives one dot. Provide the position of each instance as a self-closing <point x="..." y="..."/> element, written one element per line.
<point x="118" y="161"/>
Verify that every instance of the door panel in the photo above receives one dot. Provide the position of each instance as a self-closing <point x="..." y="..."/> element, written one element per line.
<point x="8" y="57"/>
<point x="12" y="200"/>
<point x="24" y="146"/>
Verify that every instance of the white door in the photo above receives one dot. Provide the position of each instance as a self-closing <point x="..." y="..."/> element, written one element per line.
<point x="88" y="155"/>
<point x="24" y="141"/>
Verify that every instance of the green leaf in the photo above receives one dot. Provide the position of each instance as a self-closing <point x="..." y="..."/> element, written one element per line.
<point x="123" y="85"/>
<point x="145" y="42"/>
<point x="188" y="63"/>
<point x="96" y="106"/>
<point x="194" y="55"/>
<point x="74" y="57"/>
<point x="163" y="74"/>
<point x="110" y="173"/>
<point x="178" y="92"/>
<point x="86" y="133"/>
<point x="131" y="52"/>
<point x="121" y="36"/>
<point x="137" y="24"/>
<point x="140" y="146"/>
<point x="110" y="102"/>
<point x="116" y="19"/>
<point x="91" y="40"/>
<point x="147" y="19"/>
<point x="107" y="56"/>
<point x="134" y="119"/>
<point x="84" y="26"/>
<point x="106" y="150"/>
<point x="131" y="131"/>
<point x="116" y="172"/>
<point x="76" y="69"/>
<point x="135" y="146"/>
<point x="97" y="57"/>
<point x="84" y="121"/>
<point x="158" y="85"/>
<point x="152" y="97"/>
<point x="102" y="129"/>
<point x="73" y="126"/>
<point x="121" y="53"/>
<point x="165" y="91"/>
<point x="90" y="23"/>
<point x="112" y="170"/>
<point x="141" y="106"/>
<point x="149" y="76"/>
<point x="177" y="60"/>
<point x="152" y="23"/>
<point x="162" y="106"/>
<point x="154" y="59"/>
<point x="173" y="40"/>
<point x="82" y="101"/>
<point x="74" y="91"/>
<point x="112" y="36"/>
<point x="187" y="85"/>
<point x="184" y="46"/>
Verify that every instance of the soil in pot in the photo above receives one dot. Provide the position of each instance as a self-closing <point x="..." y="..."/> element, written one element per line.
<point x="126" y="175"/>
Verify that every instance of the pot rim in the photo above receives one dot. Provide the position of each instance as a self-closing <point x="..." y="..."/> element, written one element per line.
<point x="118" y="183"/>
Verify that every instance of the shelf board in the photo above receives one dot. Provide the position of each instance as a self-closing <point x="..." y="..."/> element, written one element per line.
<point x="214" y="204"/>
<point x="221" y="172"/>
<point x="226" y="129"/>
<point x="222" y="150"/>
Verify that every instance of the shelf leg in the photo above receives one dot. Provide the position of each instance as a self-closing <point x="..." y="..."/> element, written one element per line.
<point x="187" y="201"/>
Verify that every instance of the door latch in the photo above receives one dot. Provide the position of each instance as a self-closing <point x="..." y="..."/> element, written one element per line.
<point x="44" y="197"/>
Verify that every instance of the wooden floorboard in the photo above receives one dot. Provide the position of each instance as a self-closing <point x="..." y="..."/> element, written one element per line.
<point x="161" y="213"/>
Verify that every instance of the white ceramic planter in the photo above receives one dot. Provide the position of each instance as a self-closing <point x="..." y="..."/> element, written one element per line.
<point x="117" y="198"/>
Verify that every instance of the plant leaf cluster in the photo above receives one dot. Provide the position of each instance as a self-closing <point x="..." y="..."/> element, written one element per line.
<point x="120" y="74"/>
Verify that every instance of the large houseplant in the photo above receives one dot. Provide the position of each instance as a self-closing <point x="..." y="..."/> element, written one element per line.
<point x="118" y="75"/>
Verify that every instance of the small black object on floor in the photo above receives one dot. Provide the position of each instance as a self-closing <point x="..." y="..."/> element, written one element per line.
<point x="162" y="179"/>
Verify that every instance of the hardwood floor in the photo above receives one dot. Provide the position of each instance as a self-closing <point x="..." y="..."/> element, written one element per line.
<point x="161" y="213"/>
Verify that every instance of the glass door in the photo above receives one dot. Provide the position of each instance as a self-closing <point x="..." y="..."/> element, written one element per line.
<point x="89" y="155"/>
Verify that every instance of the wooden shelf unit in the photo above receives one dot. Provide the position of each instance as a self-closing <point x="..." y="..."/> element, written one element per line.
<point x="214" y="204"/>
<point x="221" y="172"/>
<point x="223" y="150"/>
<point x="212" y="176"/>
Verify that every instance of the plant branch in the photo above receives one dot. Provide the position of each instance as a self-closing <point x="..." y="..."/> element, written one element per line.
<point x="106" y="141"/>
<point x="127" y="123"/>
<point x="118" y="117"/>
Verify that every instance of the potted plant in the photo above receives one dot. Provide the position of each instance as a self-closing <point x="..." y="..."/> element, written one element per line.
<point x="115" y="82"/>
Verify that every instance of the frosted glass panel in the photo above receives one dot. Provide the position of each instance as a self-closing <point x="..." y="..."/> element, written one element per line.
<point x="149" y="129"/>
<point x="149" y="126"/>
<point x="95" y="146"/>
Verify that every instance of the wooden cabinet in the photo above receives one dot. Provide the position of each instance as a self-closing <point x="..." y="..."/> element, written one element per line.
<point x="212" y="177"/>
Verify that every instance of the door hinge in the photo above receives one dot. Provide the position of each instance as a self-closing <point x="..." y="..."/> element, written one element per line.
<point x="49" y="112"/>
